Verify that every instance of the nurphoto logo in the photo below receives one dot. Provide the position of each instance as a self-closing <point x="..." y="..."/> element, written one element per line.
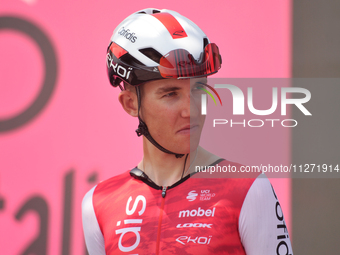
<point x="278" y="101"/>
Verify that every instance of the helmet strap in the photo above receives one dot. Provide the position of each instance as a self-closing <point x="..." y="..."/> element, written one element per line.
<point x="143" y="129"/>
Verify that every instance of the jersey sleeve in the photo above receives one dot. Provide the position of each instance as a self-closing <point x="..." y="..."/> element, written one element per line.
<point x="93" y="236"/>
<point x="262" y="226"/>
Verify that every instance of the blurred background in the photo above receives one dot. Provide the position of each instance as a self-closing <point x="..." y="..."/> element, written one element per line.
<point x="62" y="129"/>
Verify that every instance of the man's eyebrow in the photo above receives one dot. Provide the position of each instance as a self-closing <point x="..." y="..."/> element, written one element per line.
<point x="167" y="89"/>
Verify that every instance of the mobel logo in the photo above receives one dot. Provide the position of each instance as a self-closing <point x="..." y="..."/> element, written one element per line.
<point x="239" y="100"/>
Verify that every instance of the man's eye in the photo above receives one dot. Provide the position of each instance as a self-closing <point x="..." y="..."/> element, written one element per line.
<point x="199" y="85"/>
<point x="199" y="88"/>
<point x="171" y="94"/>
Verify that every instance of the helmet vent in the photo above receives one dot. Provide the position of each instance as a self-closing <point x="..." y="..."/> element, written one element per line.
<point x="130" y="60"/>
<point x="156" y="11"/>
<point x="205" y="42"/>
<point x="141" y="12"/>
<point x="152" y="54"/>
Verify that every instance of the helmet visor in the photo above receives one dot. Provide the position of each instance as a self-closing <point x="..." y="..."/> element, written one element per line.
<point x="181" y="64"/>
<point x="176" y="64"/>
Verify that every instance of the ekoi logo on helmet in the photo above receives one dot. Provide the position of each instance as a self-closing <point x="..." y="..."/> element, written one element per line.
<point x="204" y="97"/>
<point x="118" y="69"/>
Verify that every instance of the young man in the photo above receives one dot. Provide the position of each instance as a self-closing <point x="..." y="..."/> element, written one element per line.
<point x="160" y="60"/>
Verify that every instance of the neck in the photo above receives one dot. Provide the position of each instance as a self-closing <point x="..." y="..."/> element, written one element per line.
<point x="162" y="168"/>
<point x="165" y="169"/>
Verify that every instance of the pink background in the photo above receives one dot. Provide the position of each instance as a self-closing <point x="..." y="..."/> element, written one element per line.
<point x="82" y="127"/>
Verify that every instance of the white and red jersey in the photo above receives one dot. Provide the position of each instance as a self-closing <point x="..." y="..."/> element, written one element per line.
<point x="124" y="215"/>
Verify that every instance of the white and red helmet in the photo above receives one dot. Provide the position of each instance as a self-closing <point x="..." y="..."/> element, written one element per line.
<point x="156" y="44"/>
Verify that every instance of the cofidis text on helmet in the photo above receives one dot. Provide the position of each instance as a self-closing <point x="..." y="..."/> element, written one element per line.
<point x="128" y="34"/>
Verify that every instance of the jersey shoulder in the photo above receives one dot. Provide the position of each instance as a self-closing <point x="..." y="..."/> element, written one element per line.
<point x="111" y="190"/>
<point x="104" y="190"/>
<point x="113" y="182"/>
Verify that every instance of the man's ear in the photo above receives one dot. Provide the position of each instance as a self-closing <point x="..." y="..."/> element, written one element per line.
<point x="129" y="102"/>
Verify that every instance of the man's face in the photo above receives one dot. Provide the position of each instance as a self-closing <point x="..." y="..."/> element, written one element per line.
<point x="171" y="109"/>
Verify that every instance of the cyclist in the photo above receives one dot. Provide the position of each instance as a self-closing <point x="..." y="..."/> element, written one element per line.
<point x="160" y="61"/>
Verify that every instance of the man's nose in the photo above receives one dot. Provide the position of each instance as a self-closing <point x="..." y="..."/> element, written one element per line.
<point x="190" y="106"/>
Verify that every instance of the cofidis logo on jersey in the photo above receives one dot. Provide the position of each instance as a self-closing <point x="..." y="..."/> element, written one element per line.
<point x="243" y="104"/>
<point x="131" y="227"/>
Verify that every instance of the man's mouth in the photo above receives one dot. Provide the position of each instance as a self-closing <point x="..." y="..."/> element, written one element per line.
<point x="188" y="129"/>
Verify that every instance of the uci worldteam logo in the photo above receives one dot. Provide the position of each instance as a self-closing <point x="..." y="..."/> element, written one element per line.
<point x="204" y="98"/>
<point x="192" y="195"/>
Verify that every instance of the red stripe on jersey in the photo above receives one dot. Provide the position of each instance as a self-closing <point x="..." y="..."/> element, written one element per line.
<point x="117" y="50"/>
<point x="175" y="29"/>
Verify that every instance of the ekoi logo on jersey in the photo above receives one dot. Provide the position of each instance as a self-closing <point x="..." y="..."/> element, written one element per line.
<point x="193" y="240"/>
<point x="204" y="97"/>
<point x="130" y="225"/>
